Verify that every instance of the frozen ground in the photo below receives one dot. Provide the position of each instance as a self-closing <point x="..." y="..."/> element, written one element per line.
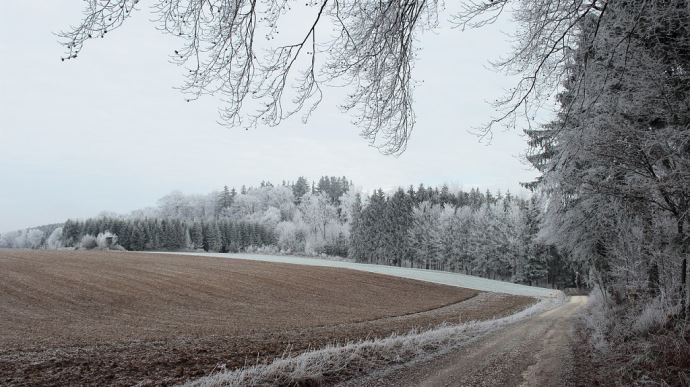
<point x="439" y="277"/>
<point x="72" y="318"/>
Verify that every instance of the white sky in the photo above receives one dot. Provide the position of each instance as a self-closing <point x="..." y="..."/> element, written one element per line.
<point x="108" y="131"/>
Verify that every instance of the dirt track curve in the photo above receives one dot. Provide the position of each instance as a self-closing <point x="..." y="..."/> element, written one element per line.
<point x="534" y="352"/>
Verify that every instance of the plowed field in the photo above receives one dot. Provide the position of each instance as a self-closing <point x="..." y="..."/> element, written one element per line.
<point x="76" y="317"/>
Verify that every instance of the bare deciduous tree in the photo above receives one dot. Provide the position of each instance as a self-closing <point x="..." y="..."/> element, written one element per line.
<point x="372" y="51"/>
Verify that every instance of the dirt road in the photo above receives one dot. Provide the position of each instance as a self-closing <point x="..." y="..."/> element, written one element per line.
<point x="535" y="352"/>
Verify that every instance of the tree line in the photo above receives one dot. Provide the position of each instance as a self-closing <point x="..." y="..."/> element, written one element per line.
<point x="171" y="234"/>
<point x="483" y="234"/>
<point x="493" y="235"/>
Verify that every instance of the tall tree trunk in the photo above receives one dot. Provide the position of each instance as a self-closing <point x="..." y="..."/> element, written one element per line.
<point x="683" y="281"/>
<point x="684" y="270"/>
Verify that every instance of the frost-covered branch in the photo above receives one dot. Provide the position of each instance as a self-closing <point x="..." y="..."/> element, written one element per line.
<point x="371" y="50"/>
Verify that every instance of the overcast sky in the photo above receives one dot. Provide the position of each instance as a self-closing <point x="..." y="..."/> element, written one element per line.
<point x="108" y="131"/>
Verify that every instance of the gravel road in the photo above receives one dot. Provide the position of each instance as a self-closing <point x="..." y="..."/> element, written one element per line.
<point x="534" y="352"/>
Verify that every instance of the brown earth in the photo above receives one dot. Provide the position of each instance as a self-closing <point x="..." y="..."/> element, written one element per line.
<point x="113" y="318"/>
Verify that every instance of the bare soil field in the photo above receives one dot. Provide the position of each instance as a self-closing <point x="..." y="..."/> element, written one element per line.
<point x="113" y="318"/>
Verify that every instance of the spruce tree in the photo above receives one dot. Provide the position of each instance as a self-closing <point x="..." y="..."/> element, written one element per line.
<point x="357" y="232"/>
<point x="212" y="241"/>
<point x="197" y="235"/>
<point x="300" y="189"/>
<point x="397" y="221"/>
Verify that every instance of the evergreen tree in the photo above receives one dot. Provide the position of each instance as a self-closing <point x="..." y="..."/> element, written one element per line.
<point x="445" y="197"/>
<point x="425" y="235"/>
<point x="212" y="240"/>
<point x="372" y="227"/>
<point x="397" y="221"/>
<point x="536" y="266"/>
<point x="71" y="233"/>
<point x="357" y="232"/>
<point x="197" y="235"/>
<point x="225" y="199"/>
<point x="300" y="189"/>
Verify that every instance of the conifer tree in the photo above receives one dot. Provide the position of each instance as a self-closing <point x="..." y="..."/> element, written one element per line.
<point x="397" y="221"/>
<point x="197" y="235"/>
<point x="300" y="189"/>
<point x="425" y="235"/>
<point x="212" y="241"/>
<point x="357" y="232"/>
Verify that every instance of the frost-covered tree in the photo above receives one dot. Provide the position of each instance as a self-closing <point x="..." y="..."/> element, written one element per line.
<point x="320" y="215"/>
<point x="534" y="269"/>
<point x="291" y="236"/>
<point x="397" y="221"/>
<point x="271" y="217"/>
<point x="372" y="228"/>
<point x="197" y="236"/>
<point x="368" y="45"/>
<point x="212" y="237"/>
<point x="357" y="231"/>
<point x="425" y="235"/>
<point x="34" y="238"/>
<point x="55" y="240"/>
<point x="617" y="154"/>
<point x="300" y="188"/>
<point x="225" y="199"/>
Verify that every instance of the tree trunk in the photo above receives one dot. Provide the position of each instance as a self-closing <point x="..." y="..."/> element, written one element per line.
<point x="684" y="271"/>
<point x="683" y="281"/>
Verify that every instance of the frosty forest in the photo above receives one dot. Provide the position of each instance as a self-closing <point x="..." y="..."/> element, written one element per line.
<point x="601" y="92"/>
<point x="476" y="233"/>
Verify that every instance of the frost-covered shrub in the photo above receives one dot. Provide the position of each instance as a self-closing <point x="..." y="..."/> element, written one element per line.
<point x="4" y="241"/>
<point x="338" y="247"/>
<point x="268" y="249"/>
<point x="598" y="320"/>
<point x="610" y="324"/>
<point x="290" y="236"/>
<point x="637" y="340"/>
<point x="23" y="239"/>
<point x="102" y="240"/>
<point x="271" y="217"/>
<point x="34" y="238"/>
<point x="655" y="314"/>
<point x="314" y="245"/>
<point x="88" y="242"/>
<point x="13" y="240"/>
<point x="20" y="241"/>
<point x="55" y="239"/>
